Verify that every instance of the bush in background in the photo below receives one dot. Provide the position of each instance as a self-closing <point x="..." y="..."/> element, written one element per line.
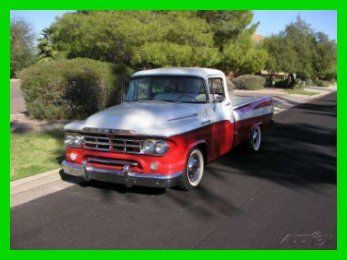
<point x="249" y="82"/>
<point x="321" y="83"/>
<point x="308" y="82"/>
<point x="66" y="89"/>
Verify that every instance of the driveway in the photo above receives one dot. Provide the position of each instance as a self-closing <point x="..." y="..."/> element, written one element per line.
<point x="282" y="197"/>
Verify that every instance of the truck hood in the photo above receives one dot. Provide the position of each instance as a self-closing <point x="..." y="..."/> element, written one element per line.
<point x="145" y="118"/>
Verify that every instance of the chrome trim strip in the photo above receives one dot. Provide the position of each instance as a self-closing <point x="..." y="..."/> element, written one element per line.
<point x="206" y="122"/>
<point x="183" y="117"/>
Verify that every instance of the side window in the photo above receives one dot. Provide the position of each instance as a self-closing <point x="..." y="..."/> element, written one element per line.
<point x="216" y="89"/>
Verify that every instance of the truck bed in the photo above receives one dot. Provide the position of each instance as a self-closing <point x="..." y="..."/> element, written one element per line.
<point x="240" y="101"/>
<point x="251" y="107"/>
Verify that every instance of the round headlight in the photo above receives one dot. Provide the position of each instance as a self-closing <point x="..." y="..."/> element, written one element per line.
<point x="148" y="146"/>
<point x="161" y="147"/>
<point x="79" y="140"/>
<point x="69" y="140"/>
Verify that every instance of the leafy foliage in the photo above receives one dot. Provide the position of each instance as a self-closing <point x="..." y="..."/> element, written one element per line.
<point x="136" y="39"/>
<point x="22" y="46"/>
<point x="242" y="56"/>
<point x="68" y="88"/>
<point x="300" y="50"/>
<point x="228" y="25"/>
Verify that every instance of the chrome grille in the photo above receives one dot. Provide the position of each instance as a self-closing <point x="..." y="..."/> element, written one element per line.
<point x="111" y="143"/>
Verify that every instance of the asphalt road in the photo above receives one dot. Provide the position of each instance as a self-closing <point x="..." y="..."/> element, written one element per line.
<point x="282" y="197"/>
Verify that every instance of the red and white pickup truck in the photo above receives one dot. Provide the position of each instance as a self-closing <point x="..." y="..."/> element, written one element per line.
<point x="174" y="121"/>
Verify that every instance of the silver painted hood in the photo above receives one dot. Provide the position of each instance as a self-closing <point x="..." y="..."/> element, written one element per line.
<point x="146" y="118"/>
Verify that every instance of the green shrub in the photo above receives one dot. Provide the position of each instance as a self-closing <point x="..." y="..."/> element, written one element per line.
<point x="321" y="83"/>
<point x="299" y="84"/>
<point x="308" y="82"/>
<point x="249" y="82"/>
<point x="331" y="76"/>
<point x="281" y="84"/>
<point x="67" y="89"/>
<point x="285" y="83"/>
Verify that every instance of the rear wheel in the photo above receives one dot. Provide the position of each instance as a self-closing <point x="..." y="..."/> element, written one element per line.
<point x="194" y="170"/>
<point x="254" y="142"/>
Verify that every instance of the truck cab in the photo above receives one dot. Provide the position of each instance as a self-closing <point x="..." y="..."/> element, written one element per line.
<point x="173" y="122"/>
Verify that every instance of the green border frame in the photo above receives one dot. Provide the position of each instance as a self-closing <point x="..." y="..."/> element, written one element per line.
<point x="7" y="5"/>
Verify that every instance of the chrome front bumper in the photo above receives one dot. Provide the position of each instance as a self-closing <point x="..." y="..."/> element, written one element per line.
<point x="124" y="177"/>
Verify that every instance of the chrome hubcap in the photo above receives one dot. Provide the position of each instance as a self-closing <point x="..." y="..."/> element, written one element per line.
<point x="193" y="168"/>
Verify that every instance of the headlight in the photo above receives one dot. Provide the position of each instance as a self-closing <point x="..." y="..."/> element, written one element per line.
<point x="160" y="147"/>
<point x="69" y="139"/>
<point x="155" y="147"/>
<point x="74" y="140"/>
<point x="148" y="146"/>
<point x="79" y="140"/>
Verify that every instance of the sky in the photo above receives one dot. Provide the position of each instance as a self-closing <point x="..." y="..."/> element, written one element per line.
<point x="271" y="22"/>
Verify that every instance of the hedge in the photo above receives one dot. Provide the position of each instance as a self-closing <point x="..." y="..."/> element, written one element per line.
<point x="68" y="89"/>
<point x="321" y="83"/>
<point x="249" y="82"/>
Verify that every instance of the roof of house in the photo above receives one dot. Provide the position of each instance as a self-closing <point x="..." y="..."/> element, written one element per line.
<point x="181" y="71"/>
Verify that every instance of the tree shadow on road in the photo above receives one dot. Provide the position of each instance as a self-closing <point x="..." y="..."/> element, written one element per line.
<point x="292" y="155"/>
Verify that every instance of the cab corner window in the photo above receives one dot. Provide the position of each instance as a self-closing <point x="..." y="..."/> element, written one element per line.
<point x="216" y="89"/>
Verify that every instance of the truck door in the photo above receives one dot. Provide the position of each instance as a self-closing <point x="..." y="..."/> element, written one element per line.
<point x="222" y="126"/>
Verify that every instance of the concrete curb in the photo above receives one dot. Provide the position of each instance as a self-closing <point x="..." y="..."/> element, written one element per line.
<point x="34" y="187"/>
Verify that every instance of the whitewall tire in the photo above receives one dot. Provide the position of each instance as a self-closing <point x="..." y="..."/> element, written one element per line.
<point x="194" y="171"/>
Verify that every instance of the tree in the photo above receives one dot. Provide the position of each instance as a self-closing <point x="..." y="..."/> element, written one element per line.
<point x="22" y="46"/>
<point x="45" y="47"/>
<point x="140" y="39"/>
<point x="282" y="56"/>
<point x="228" y="25"/>
<point x="301" y="39"/>
<point x="298" y="49"/>
<point x="242" y="56"/>
<point x="324" y="61"/>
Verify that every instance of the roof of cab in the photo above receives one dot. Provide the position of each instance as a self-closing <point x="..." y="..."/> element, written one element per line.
<point x="182" y="71"/>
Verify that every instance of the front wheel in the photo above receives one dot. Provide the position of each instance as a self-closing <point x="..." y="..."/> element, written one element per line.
<point x="194" y="170"/>
<point x="254" y="142"/>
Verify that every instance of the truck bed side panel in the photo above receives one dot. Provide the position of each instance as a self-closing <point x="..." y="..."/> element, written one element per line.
<point x="255" y="111"/>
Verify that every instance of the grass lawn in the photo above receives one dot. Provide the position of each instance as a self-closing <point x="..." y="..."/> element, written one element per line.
<point x="301" y="92"/>
<point x="33" y="153"/>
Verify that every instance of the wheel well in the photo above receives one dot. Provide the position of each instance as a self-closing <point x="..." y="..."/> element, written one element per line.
<point x="203" y="148"/>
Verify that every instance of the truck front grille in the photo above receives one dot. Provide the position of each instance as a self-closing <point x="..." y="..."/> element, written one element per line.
<point x="111" y="143"/>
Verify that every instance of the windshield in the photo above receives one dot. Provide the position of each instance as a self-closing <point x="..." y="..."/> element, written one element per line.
<point x="169" y="89"/>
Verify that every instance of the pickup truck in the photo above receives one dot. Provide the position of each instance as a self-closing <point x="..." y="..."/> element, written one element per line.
<point x="172" y="123"/>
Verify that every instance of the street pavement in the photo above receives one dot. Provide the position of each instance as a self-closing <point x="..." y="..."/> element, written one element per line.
<point x="281" y="197"/>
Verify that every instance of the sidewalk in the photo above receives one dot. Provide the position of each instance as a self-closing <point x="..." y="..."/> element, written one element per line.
<point x="36" y="186"/>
